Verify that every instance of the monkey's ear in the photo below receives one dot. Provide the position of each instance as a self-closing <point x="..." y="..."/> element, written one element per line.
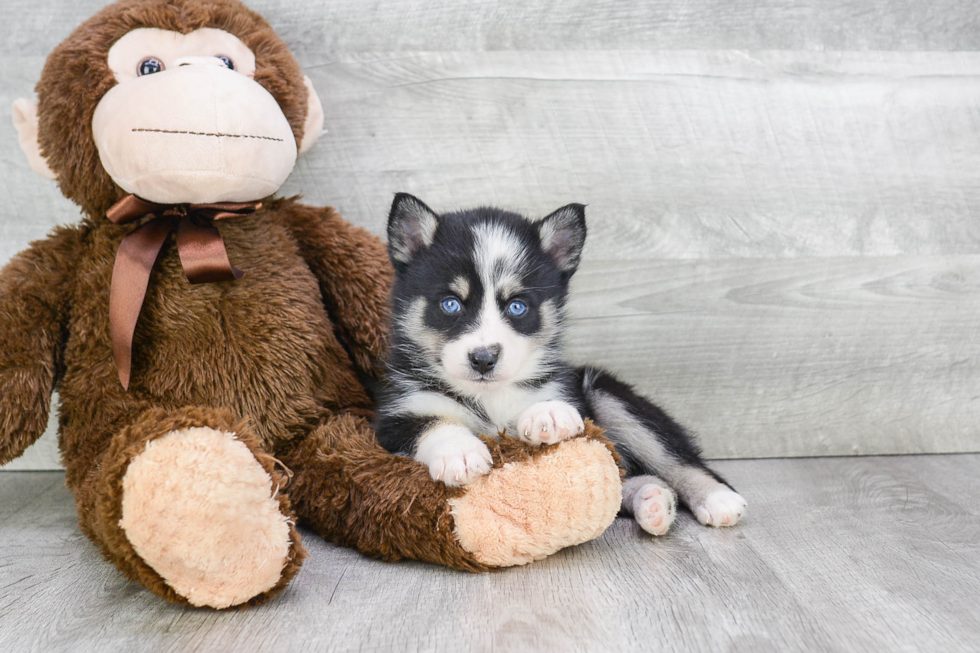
<point x="314" y="117"/>
<point x="411" y="228"/>
<point x="25" y="122"/>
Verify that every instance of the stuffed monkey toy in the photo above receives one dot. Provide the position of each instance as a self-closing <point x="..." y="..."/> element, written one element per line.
<point x="210" y="342"/>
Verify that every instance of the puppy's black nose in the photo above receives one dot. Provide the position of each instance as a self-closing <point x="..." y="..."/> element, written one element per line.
<point x="483" y="359"/>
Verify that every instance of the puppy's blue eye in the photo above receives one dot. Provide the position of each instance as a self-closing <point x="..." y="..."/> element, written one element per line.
<point x="516" y="308"/>
<point x="451" y="305"/>
<point x="229" y="64"/>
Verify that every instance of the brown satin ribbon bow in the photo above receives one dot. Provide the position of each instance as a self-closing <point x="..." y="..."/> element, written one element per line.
<point x="199" y="244"/>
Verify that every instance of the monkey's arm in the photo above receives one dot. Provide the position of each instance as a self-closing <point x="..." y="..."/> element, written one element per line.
<point x="355" y="278"/>
<point x="33" y="323"/>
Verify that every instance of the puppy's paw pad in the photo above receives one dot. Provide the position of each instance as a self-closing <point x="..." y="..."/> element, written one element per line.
<point x="721" y="508"/>
<point x="654" y="508"/>
<point x="547" y="422"/>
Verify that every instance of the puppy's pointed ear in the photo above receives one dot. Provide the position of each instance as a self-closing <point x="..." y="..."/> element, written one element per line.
<point x="563" y="236"/>
<point x="25" y="122"/>
<point x="411" y="228"/>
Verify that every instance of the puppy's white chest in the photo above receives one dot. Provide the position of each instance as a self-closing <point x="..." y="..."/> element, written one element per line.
<point x="505" y="405"/>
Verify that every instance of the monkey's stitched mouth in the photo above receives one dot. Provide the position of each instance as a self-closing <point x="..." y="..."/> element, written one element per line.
<point x="214" y="134"/>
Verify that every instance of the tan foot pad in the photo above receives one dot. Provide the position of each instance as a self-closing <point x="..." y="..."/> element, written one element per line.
<point x="200" y="510"/>
<point x="527" y="511"/>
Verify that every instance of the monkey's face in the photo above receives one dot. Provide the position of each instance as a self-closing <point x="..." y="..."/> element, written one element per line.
<point x="186" y="121"/>
<point x="172" y="100"/>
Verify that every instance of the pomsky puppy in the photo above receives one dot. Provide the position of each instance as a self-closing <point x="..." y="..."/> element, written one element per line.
<point x="476" y="348"/>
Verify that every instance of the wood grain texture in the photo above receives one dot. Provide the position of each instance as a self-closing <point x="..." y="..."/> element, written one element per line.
<point x="399" y="25"/>
<point x="838" y="554"/>
<point x="789" y="357"/>
<point x="829" y="135"/>
<point x="679" y="155"/>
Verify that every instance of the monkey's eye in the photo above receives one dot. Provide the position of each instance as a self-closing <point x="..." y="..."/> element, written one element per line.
<point x="229" y="64"/>
<point x="149" y="66"/>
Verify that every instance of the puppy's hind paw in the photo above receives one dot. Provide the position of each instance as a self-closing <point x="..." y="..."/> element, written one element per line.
<point x="654" y="508"/>
<point x="721" y="508"/>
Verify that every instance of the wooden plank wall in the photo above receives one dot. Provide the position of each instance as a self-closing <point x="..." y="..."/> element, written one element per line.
<point x="783" y="196"/>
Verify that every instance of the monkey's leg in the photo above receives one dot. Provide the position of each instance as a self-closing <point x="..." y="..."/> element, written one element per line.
<point x="187" y="503"/>
<point x="356" y="494"/>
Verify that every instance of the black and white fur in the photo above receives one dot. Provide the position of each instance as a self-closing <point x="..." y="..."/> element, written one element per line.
<point x="462" y="362"/>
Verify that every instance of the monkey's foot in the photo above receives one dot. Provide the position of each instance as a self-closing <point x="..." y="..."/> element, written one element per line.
<point x="202" y="512"/>
<point x="524" y="511"/>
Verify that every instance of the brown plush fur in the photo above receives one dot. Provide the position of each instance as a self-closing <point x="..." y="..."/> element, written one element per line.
<point x="33" y="321"/>
<point x="274" y="357"/>
<point x="263" y="348"/>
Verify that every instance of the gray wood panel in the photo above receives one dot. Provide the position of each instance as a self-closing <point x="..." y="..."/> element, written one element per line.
<point x="728" y="136"/>
<point x="400" y="25"/>
<point x="677" y="154"/>
<point x="789" y="357"/>
<point x="845" y="554"/>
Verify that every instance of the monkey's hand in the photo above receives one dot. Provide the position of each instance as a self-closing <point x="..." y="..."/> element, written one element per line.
<point x="33" y="320"/>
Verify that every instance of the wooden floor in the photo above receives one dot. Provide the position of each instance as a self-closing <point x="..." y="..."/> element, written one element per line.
<point x="849" y="554"/>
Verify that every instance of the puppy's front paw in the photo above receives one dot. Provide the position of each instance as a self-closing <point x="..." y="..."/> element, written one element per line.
<point x="453" y="455"/>
<point x="721" y="508"/>
<point x="654" y="508"/>
<point x="547" y="422"/>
